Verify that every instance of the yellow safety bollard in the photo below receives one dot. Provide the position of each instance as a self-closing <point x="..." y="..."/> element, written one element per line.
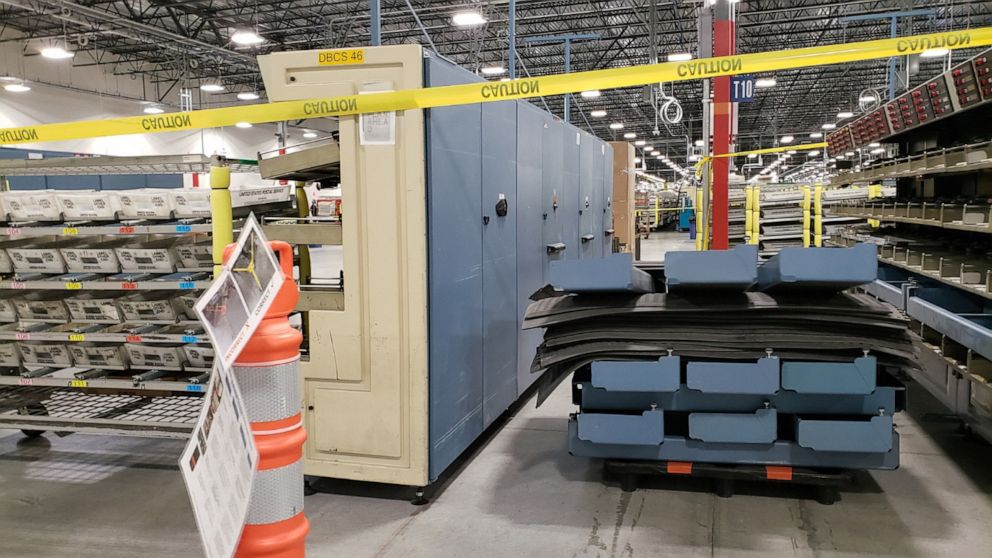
<point x="221" y="218"/>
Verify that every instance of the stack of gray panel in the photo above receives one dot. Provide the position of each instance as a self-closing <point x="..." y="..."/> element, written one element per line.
<point x="735" y="363"/>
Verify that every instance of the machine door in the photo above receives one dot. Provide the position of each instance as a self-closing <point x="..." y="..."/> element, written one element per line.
<point x="554" y="194"/>
<point x="588" y="151"/>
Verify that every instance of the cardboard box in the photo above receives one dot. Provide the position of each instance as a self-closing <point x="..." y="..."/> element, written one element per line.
<point x="191" y="202"/>
<point x="42" y="306"/>
<point x="155" y="356"/>
<point x="157" y="255"/>
<point x="44" y="257"/>
<point x="196" y="255"/>
<point x="99" y="257"/>
<point x="95" y="308"/>
<point x="146" y="203"/>
<point x="98" y="355"/>
<point x="92" y="205"/>
<point x="45" y="353"/>
<point x="199" y="355"/>
<point x="10" y="356"/>
<point x="8" y="313"/>
<point x="31" y="205"/>
<point x="154" y="307"/>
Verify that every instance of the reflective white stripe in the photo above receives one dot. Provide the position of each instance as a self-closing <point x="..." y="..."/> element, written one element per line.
<point x="276" y="495"/>
<point x="278" y="430"/>
<point x="269" y="363"/>
<point x="270" y="393"/>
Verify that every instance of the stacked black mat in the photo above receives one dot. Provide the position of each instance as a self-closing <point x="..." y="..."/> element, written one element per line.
<point x="816" y="325"/>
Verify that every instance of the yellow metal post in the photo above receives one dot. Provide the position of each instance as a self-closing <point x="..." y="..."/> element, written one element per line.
<point x="818" y="215"/>
<point x="699" y="224"/>
<point x="756" y="217"/>
<point x="222" y="220"/>
<point x="806" y="216"/>
<point x="748" y="200"/>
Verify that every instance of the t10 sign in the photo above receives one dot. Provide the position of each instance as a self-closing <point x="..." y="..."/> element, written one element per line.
<point x="741" y="89"/>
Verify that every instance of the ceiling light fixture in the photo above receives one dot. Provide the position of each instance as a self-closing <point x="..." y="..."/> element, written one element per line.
<point x="828" y="126"/>
<point x="630" y="135"/>
<point x="844" y="114"/>
<point x="468" y="19"/>
<point x="591" y="94"/>
<point x="640" y="143"/>
<point x="493" y="70"/>
<point x="679" y="57"/>
<point x="874" y="144"/>
<point x="752" y="156"/>
<point x="616" y="126"/>
<point x="243" y="125"/>
<point x="247" y="96"/>
<point x="246" y="37"/>
<point x="597" y="113"/>
<point x="934" y="53"/>
<point x="816" y="135"/>
<point x="56" y="53"/>
<point x="787" y="139"/>
<point x="309" y="134"/>
<point x="763" y="83"/>
<point x="212" y="87"/>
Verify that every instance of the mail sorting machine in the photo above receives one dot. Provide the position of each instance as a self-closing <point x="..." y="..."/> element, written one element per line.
<point x="451" y="217"/>
<point x="769" y="411"/>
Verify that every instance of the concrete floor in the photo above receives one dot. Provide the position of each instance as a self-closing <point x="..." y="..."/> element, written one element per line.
<point x="654" y="247"/>
<point x="518" y="494"/>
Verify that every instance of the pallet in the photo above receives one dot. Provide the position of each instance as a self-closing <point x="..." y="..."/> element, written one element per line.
<point x="827" y="482"/>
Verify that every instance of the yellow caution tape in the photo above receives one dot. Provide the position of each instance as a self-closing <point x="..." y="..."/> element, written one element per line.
<point x="485" y="92"/>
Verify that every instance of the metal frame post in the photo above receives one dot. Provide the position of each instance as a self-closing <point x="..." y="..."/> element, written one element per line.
<point x="567" y="40"/>
<point x="511" y="37"/>
<point x="375" y="27"/>
<point x="221" y="215"/>
<point x="893" y="18"/>
<point x="724" y="44"/>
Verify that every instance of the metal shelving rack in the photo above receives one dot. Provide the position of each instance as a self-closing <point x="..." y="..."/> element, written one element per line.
<point x="137" y="400"/>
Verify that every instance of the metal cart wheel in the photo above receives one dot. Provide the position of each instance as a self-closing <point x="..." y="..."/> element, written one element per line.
<point x="35" y="409"/>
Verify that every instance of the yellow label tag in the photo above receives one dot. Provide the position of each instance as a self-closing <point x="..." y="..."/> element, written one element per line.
<point x="78" y="383"/>
<point x="76" y="337"/>
<point x="73" y="286"/>
<point x="341" y="57"/>
<point x="70" y="231"/>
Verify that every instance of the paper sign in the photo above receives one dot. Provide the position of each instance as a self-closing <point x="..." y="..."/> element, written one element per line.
<point x="376" y="128"/>
<point x="218" y="466"/>
<point x="237" y="300"/>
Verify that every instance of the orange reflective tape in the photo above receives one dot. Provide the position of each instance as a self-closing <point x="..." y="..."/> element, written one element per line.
<point x="679" y="468"/>
<point x="774" y="472"/>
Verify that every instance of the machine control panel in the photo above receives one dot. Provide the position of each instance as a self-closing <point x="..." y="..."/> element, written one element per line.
<point x="983" y="74"/>
<point x="966" y="89"/>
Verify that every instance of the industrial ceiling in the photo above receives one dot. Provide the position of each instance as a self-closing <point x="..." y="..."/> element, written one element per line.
<point x="176" y="44"/>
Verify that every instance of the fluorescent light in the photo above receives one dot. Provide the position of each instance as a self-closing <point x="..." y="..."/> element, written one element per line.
<point x="828" y="126"/>
<point x="699" y="143"/>
<point x="247" y="37"/>
<point x="597" y="113"/>
<point x="790" y="152"/>
<point x="468" y="19"/>
<point x="637" y="160"/>
<point x="247" y="96"/>
<point x="56" y="53"/>
<point x="648" y="148"/>
<point x="659" y="157"/>
<point x="816" y="135"/>
<point x="655" y="153"/>
<point x="243" y="125"/>
<point x="640" y="143"/>
<point x="630" y="135"/>
<point x="616" y="126"/>
<point x="693" y="157"/>
<point x="309" y="135"/>
<point x="934" y="53"/>
<point x="874" y="144"/>
<point x="752" y="156"/>
<point x="765" y="82"/>
<point x="16" y="88"/>
<point x="868" y="99"/>
<point x="849" y="154"/>
<point x="787" y="139"/>
<point x="212" y="87"/>
<point x="591" y="94"/>
<point x="844" y="114"/>
<point x="813" y="153"/>
<point x="493" y="70"/>
<point x="878" y="151"/>
<point x="679" y="57"/>
<point x="153" y="110"/>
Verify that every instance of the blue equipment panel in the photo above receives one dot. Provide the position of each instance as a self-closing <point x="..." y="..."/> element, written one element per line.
<point x="607" y="229"/>
<point x="455" y="277"/>
<point x="615" y="273"/>
<point x="645" y="429"/>
<point x="760" y="427"/>
<point x="632" y="376"/>
<point x="964" y="318"/>
<point x="569" y="198"/>
<point x="499" y="257"/>
<point x="532" y="255"/>
<point x="858" y="377"/>
<point x="781" y="452"/>
<point x="820" y="268"/>
<point x="735" y="269"/>
<point x="761" y="377"/>
<point x="558" y="207"/>
<point x="852" y="436"/>
<point x="892" y="399"/>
